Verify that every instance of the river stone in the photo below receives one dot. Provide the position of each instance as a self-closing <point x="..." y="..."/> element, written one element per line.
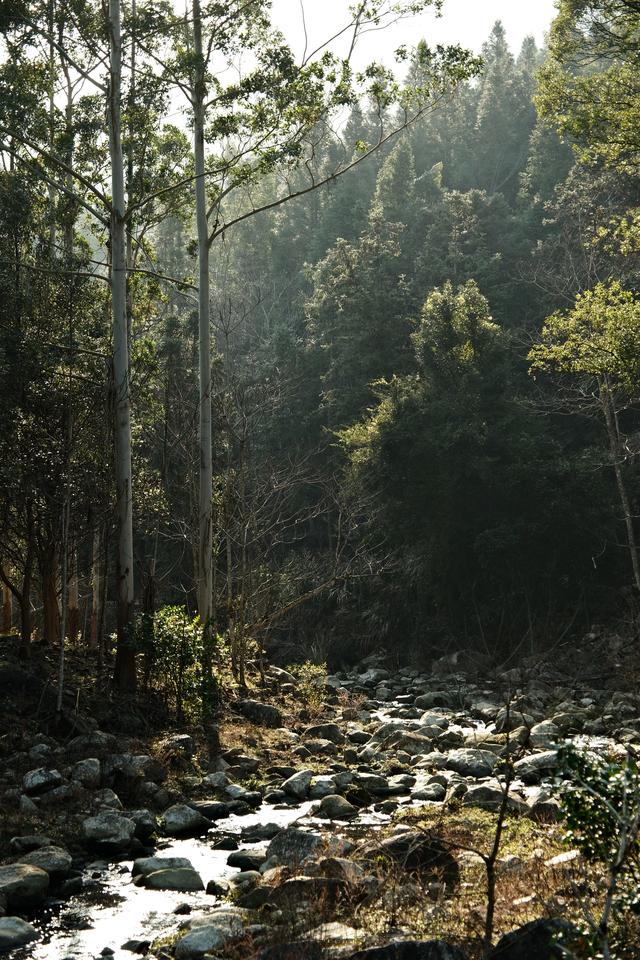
<point x="412" y="950"/>
<point x="472" y="763"/>
<point x="129" y="766"/>
<point x="108" y="832"/>
<point x="146" y="823"/>
<point x="247" y="859"/>
<point x="40" y="781"/>
<point x="432" y="792"/>
<point x="534" y="768"/>
<point x="489" y="796"/>
<point x="292" y="845"/>
<point x="325" y="731"/>
<point x="87" y="772"/>
<point x="540" y="938"/>
<point x="210" y="932"/>
<point x="14" y="933"/>
<point x="262" y="714"/>
<point x="55" y="860"/>
<point x="414" y="850"/>
<point x="145" y="866"/>
<point x="373" y="783"/>
<point x="322" y="787"/>
<point x="23" y="885"/>
<point x="183" y="879"/>
<point x="96" y="744"/>
<point x="335" y="807"/>
<point x="319" y="748"/>
<point x="181" y="820"/>
<point x="298" y="785"/>
<point x="508" y="720"/>
<point x="29" y="842"/>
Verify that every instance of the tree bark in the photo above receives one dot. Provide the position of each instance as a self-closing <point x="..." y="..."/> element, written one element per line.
<point x="205" y="509"/>
<point x="49" y="590"/>
<point x="125" y="665"/>
<point x="96" y="590"/>
<point x="7" y="609"/>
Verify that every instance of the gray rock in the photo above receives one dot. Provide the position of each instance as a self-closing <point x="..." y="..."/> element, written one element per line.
<point x="137" y="767"/>
<point x="298" y="785"/>
<point x="181" y="821"/>
<point x="182" y="879"/>
<point x="96" y="744"/>
<point x="15" y="933"/>
<point x="210" y="932"/>
<point x="325" y="731"/>
<point x="22" y="885"/>
<point x="106" y="798"/>
<point x="322" y="787"/>
<point x="54" y="860"/>
<point x="489" y="796"/>
<point x="41" y="781"/>
<point x="262" y="714"/>
<point x="537" y="766"/>
<point x="472" y="763"/>
<point x="373" y="783"/>
<point x="292" y="845"/>
<point x="87" y="772"/>
<point x="508" y="720"/>
<point x="335" y="807"/>
<point x="540" y="938"/>
<point x="30" y="842"/>
<point x="146" y="823"/>
<point x="415" y="851"/>
<point x="545" y="734"/>
<point x="108" y="832"/>
<point x="247" y="860"/>
<point x="144" y="866"/>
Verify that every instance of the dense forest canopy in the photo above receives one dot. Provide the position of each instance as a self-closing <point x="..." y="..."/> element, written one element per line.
<point x="326" y="358"/>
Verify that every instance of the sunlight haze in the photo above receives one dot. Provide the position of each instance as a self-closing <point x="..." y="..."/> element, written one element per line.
<point x="467" y="22"/>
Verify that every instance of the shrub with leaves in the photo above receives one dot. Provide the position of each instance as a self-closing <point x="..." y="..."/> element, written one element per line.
<point x="600" y="801"/>
<point x="312" y="678"/>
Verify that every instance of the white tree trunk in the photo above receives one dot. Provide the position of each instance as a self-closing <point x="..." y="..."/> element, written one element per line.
<point x="125" y="658"/>
<point x="205" y="515"/>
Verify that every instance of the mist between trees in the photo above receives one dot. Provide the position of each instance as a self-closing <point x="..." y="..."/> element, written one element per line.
<point x="335" y="359"/>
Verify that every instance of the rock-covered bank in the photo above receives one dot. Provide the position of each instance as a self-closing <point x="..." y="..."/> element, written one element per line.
<point x="328" y="817"/>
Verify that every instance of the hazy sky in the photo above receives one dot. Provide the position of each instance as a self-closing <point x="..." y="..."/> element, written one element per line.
<point x="467" y="22"/>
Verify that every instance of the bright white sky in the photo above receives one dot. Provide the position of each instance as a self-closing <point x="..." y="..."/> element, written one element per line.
<point x="467" y="22"/>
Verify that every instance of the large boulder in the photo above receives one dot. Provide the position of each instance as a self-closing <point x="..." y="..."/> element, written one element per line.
<point x="210" y="932"/>
<point x="88" y="773"/>
<point x="472" y="763"/>
<point x="536" y="767"/>
<point x="538" y="939"/>
<point x="183" y="879"/>
<point x="335" y="807"/>
<point x="96" y="744"/>
<point x="292" y="846"/>
<point x="108" y="832"/>
<point x="297" y="786"/>
<point x="180" y="820"/>
<point x="15" y="933"/>
<point x="412" y="950"/>
<point x="23" y="885"/>
<point x="40" y="781"/>
<point x="147" y="865"/>
<point x="262" y="714"/>
<point x="54" y="860"/>
<point x="415" y="851"/>
<point x="325" y="731"/>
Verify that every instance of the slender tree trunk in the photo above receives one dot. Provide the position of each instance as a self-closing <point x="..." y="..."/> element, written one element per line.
<point x="73" y="627"/>
<point x="205" y="510"/>
<point x="7" y="609"/>
<point x="125" y="666"/>
<point x="96" y="589"/>
<point x="49" y="589"/>
<point x="616" y="456"/>
<point x="26" y="617"/>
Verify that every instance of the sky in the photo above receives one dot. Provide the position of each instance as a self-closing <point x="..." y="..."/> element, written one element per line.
<point x="467" y="22"/>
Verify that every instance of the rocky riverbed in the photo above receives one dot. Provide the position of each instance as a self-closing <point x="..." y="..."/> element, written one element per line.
<point x="285" y="852"/>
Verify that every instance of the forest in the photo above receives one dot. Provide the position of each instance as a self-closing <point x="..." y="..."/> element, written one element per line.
<point x="319" y="405"/>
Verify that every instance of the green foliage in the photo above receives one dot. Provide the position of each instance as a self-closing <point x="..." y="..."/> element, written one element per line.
<point x="172" y="648"/>
<point x="599" y="337"/>
<point x="600" y="800"/>
<point x="312" y="678"/>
